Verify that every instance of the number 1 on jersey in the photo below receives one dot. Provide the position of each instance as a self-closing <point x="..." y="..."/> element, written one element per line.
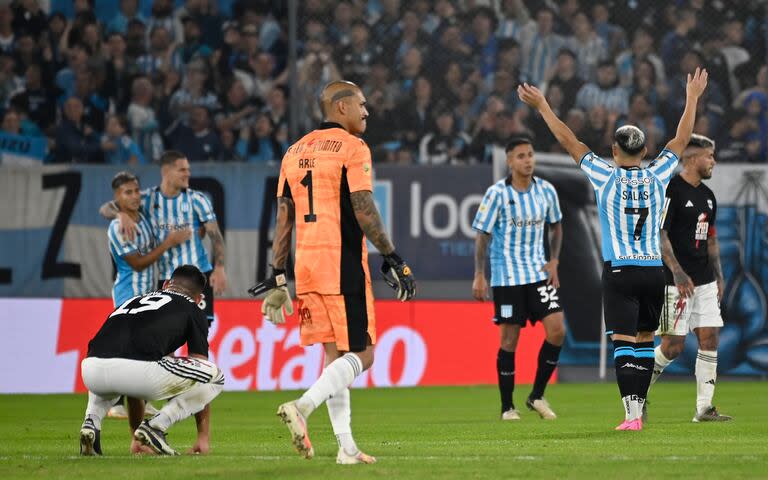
<point x="307" y="182"/>
<point x="643" y="212"/>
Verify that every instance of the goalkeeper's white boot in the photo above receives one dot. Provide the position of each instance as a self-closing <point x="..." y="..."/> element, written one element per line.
<point x="297" y="425"/>
<point x="511" y="414"/>
<point x="344" y="458"/>
<point x="542" y="407"/>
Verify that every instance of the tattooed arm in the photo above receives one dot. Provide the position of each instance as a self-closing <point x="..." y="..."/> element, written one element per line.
<point x="218" y="277"/>
<point x="713" y="250"/>
<point x="281" y="244"/>
<point x="480" y="283"/>
<point x="370" y="221"/>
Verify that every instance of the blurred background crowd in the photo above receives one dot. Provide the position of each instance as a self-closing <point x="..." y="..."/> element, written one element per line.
<point x="118" y="81"/>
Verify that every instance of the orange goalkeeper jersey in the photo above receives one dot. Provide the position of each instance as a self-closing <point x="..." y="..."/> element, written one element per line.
<point x="319" y="172"/>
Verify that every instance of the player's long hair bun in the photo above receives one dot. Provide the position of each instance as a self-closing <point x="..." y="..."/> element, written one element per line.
<point x="630" y="139"/>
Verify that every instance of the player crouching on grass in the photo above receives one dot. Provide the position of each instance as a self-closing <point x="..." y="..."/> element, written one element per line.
<point x="131" y="355"/>
<point x="694" y="276"/>
<point x="511" y="218"/>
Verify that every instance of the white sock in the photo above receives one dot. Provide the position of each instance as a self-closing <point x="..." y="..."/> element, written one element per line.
<point x="340" y="413"/>
<point x="659" y="364"/>
<point x="706" y="375"/>
<point x="97" y="408"/>
<point x="185" y="405"/>
<point x="627" y="402"/>
<point x="336" y="377"/>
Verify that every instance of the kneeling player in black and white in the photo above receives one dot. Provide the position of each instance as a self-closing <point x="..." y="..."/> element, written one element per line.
<point x="694" y="275"/>
<point x="131" y="355"/>
<point x="511" y="218"/>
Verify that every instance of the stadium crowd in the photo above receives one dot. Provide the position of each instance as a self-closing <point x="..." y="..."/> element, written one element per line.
<point x="118" y="82"/>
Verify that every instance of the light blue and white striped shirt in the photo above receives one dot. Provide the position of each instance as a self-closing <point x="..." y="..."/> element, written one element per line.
<point x="540" y="53"/>
<point x="129" y="282"/>
<point x="630" y="203"/>
<point x="515" y="221"/>
<point x="188" y="209"/>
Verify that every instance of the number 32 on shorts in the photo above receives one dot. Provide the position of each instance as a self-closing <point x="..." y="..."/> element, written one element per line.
<point x="548" y="293"/>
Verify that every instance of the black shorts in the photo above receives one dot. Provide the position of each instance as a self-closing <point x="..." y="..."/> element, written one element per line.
<point x="632" y="298"/>
<point x="518" y="303"/>
<point x="206" y="303"/>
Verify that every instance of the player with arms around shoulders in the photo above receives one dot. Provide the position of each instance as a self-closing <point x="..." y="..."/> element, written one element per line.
<point x="131" y="355"/>
<point x="694" y="275"/>
<point x="630" y="200"/>
<point x="134" y="260"/>
<point x="511" y="219"/>
<point x="173" y="206"/>
<point x="325" y="191"/>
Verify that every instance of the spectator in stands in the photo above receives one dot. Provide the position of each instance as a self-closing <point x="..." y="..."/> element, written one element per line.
<point x="515" y="20"/>
<point x="91" y="37"/>
<point x="606" y="92"/>
<point x="356" y="59"/>
<point x="678" y="41"/>
<point x="340" y="31"/>
<point x="563" y="75"/>
<point x="129" y="10"/>
<point x="162" y="16"/>
<point x="444" y="144"/>
<point x="711" y="41"/>
<point x="482" y="39"/>
<point x="75" y="141"/>
<point x="645" y="82"/>
<point x="197" y="141"/>
<point x="734" y="51"/>
<point x="205" y="17"/>
<point x="95" y="106"/>
<point x="465" y="111"/>
<point x="410" y="69"/>
<point x="640" y="51"/>
<point x="40" y="101"/>
<point x="7" y="33"/>
<point x="756" y="106"/>
<point x="259" y="144"/>
<point x="712" y="103"/>
<point x="505" y="88"/>
<point x="508" y="59"/>
<point x="540" y="47"/>
<point x="415" y="114"/>
<point x="122" y="150"/>
<point x="193" y="46"/>
<point x="27" y="126"/>
<point x="11" y="123"/>
<point x="760" y="84"/>
<point x="380" y="119"/>
<point x="238" y="111"/>
<point x="25" y="52"/>
<point x="613" y="35"/>
<point x="161" y="56"/>
<point x="381" y="79"/>
<point x="262" y="66"/>
<point x="388" y="24"/>
<point x="411" y="36"/>
<point x="589" y="47"/>
<point x="119" y="70"/>
<point x="545" y="141"/>
<point x="77" y="56"/>
<point x="277" y="109"/>
<point x="28" y="17"/>
<point x="135" y="45"/>
<point x="451" y="48"/>
<point x="449" y="82"/>
<point x="195" y="92"/>
<point x="142" y="120"/>
<point x="742" y="141"/>
<point x="642" y="115"/>
<point x="315" y="71"/>
<point x="599" y="128"/>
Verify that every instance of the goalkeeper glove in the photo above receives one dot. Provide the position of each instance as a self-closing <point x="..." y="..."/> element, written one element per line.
<point x="398" y="276"/>
<point x="277" y="297"/>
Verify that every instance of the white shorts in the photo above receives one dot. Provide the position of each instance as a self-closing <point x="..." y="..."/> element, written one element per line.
<point x="165" y="378"/>
<point x="681" y="315"/>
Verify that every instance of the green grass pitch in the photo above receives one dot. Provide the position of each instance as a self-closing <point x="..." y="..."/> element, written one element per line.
<point x="446" y="432"/>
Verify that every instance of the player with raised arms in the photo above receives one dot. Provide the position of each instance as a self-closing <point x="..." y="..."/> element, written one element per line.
<point x="325" y="191"/>
<point x="630" y="201"/>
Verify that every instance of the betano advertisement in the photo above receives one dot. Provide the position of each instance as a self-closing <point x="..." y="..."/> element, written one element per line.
<point x="419" y="343"/>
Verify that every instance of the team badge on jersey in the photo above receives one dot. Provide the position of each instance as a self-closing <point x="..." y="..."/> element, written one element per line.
<point x="709" y="202"/>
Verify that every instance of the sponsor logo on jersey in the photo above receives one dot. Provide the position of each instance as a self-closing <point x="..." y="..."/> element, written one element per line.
<point x="689" y="204"/>
<point x="633" y="182"/>
<point x="526" y="223"/>
<point x="553" y="305"/>
<point x="702" y="227"/>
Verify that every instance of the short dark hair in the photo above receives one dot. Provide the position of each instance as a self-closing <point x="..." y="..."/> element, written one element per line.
<point x="121" y="178"/>
<point x="516" y="141"/>
<point x="169" y="157"/>
<point x="189" y="277"/>
<point x="700" y="141"/>
<point x="630" y="139"/>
